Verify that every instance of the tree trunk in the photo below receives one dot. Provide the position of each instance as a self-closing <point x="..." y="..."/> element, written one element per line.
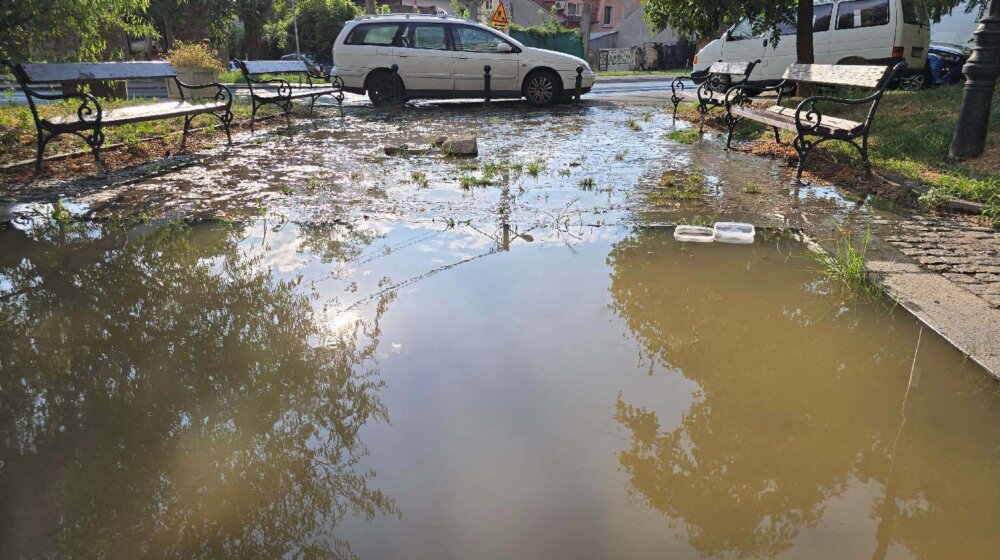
<point x="252" y="38"/>
<point x="804" y="32"/>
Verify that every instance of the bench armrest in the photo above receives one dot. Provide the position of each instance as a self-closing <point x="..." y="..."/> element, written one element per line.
<point x="807" y="108"/>
<point x="89" y="105"/>
<point x="224" y="93"/>
<point x="678" y="83"/>
<point x="284" y="86"/>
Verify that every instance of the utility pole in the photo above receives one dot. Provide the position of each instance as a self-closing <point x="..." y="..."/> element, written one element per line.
<point x="585" y="29"/>
<point x="370" y="7"/>
<point x="295" y="23"/>
<point x="980" y="80"/>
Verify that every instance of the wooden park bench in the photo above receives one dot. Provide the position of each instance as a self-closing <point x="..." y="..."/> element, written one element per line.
<point x="807" y="121"/>
<point x="280" y="92"/>
<point x="91" y="118"/>
<point x="711" y="93"/>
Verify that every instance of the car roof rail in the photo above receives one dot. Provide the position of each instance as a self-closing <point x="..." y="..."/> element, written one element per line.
<point x="408" y="15"/>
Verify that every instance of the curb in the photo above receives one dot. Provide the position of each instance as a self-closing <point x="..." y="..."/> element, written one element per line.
<point x="919" y="188"/>
<point x="635" y="78"/>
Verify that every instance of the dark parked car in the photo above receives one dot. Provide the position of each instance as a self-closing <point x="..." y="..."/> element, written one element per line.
<point x="944" y="63"/>
<point x="316" y="63"/>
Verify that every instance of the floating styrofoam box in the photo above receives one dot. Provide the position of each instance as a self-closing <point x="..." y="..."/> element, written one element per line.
<point x="734" y="232"/>
<point x="694" y="234"/>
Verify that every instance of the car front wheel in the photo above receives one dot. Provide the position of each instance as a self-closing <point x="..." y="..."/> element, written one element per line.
<point x="542" y="89"/>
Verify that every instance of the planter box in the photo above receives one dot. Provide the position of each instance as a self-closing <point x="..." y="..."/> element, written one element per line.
<point x="193" y="76"/>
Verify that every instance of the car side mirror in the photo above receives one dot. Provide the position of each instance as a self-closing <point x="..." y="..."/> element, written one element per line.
<point x="504" y="48"/>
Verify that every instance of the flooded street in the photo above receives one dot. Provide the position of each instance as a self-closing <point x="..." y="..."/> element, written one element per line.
<point x="509" y="356"/>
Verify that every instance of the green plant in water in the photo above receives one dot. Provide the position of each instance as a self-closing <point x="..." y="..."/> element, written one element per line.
<point x="621" y="155"/>
<point x="688" y="136"/>
<point x="846" y="265"/>
<point x="677" y="187"/>
<point x="632" y="124"/>
<point x="587" y="183"/>
<point x="646" y="116"/>
<point x="535" y="167"/>
<point x="564" y="172"/>
<point x="469" y="181"/>
<point x="420" y="178"/>
<point x="752" y="188"/>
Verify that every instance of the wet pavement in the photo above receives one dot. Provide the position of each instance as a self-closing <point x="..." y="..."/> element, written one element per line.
<point x="355" y="354"/>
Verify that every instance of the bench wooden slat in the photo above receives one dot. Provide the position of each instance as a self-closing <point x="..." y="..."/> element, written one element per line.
<point x="87" y="72"/>
<point x="832" y="123"/>
<point x="154" y="111"/>
<point x="692" y="95"/>
<point x="297" y="93"/>
<point x="274" y="66"/>
<point x="837" y="75"/>
<point x="732" y="68"/>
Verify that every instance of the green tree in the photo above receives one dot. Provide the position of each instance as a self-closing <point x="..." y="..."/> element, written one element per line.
<point x="320" y="21"/>
<point x="254" y="14"/>
<point x="27" y="24"/>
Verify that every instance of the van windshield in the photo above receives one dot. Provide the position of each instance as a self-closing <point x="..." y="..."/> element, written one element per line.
<point x="914" y="12"/>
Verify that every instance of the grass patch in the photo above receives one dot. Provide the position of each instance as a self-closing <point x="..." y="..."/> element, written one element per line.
<point x="688" y="136"/>
<point x="846" y="265"/>
<point x="678" y="187"/>
<point x="632" y="124"/>
<point x="587" y="183"/>
<point x="469" y="181"/>
<point x="620" y="156"/>
<point x="752" y="188"/>
<point x="535" y="167"/>
<point x="420" y="178"/>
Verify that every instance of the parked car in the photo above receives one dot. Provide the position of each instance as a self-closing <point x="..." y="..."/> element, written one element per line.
<point x="441" y="56"/>
<point x="316" y="63"/>
<point x="844" y="32"/>
<point x="944" y="63"/>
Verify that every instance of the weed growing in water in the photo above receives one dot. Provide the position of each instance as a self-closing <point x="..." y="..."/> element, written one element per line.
<point x="535" y="167"/>
<point x="677" y="187"/>
<point x="420" y="178"/>
<point x="688" y="136"/>
<point x="646" y="116"/>
<point x="286" y="189"/>
<point x="587" y="183"/>
<point x="632" y="124"/>
<point x="356" y="176"/>
<point x="564" y="172"/>
<point x="469" y="181"/>
<point x="847" y="265"/>
<point x="752" y="188"/>
<point x="621" y="155"/>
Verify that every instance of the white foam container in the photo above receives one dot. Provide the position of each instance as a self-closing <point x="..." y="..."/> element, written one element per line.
<point x="694" y="234"/>
<point x="734" y="232"/>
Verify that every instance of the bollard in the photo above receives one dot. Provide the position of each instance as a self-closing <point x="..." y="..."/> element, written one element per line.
<point x="396" y="83"/>
<point x="579" y="84"/>
<point x="486" y="83"/>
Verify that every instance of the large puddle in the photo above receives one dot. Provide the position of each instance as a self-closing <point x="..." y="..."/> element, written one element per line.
<point x="509" y="371"/>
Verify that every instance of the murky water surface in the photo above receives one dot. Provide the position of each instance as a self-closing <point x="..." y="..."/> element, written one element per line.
<point x="439" y="373"/>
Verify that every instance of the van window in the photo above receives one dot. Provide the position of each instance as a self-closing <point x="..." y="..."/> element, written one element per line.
<point x="914" y="12"/>
<point x="425" y="36"/>
<point x="862" y="13"/>
<point x="384" y="34"/>
<point x="821" y="17"/>
<point x="743" y="30"/>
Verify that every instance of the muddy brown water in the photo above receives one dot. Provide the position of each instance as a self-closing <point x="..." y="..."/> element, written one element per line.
<point x="526" y="370"/>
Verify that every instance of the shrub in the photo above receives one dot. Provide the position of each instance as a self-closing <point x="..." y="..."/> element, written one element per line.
<point x="193" y="55"/>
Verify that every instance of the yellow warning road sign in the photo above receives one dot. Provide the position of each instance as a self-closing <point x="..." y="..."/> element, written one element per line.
<point x="499" y="18"/>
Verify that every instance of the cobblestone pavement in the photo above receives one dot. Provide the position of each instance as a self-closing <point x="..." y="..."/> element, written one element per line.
<point x="959" y="249"/>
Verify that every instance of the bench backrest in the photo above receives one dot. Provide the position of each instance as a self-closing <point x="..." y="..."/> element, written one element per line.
<point x="79" y="72"/>
<point x="273" y="66"/>
<point x="732" y="68"/>
<point x="838" y="74"/>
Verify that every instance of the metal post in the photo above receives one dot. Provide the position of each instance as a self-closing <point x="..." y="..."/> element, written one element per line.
<point x="579" y="84"/>
<point x="295" y="24"/>
<point x="585" y="29"/>
<point x="980" y="80"/>
<point x="486" y="83"/>
<point x="370" y="7"/>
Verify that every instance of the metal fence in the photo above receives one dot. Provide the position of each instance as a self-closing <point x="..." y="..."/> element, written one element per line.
<point x="564" y="42"/>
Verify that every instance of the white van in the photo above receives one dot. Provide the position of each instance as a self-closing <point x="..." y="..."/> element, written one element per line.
<point x="844" y="32"/>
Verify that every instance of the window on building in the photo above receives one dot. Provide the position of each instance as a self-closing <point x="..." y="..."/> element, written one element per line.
<point x="609" y="12"/>
<point x="571" y="9"/>
<point x="862" y="13"/>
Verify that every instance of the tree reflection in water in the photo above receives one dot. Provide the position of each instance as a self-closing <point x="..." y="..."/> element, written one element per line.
<point x="163" y="395"/>
<point x="797" y="404"/>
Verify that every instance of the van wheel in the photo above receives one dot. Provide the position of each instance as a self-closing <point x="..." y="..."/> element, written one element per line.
<point x="385" y="89"/>
<point x="542" y="88"/>
<point x="913" y="82"/>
